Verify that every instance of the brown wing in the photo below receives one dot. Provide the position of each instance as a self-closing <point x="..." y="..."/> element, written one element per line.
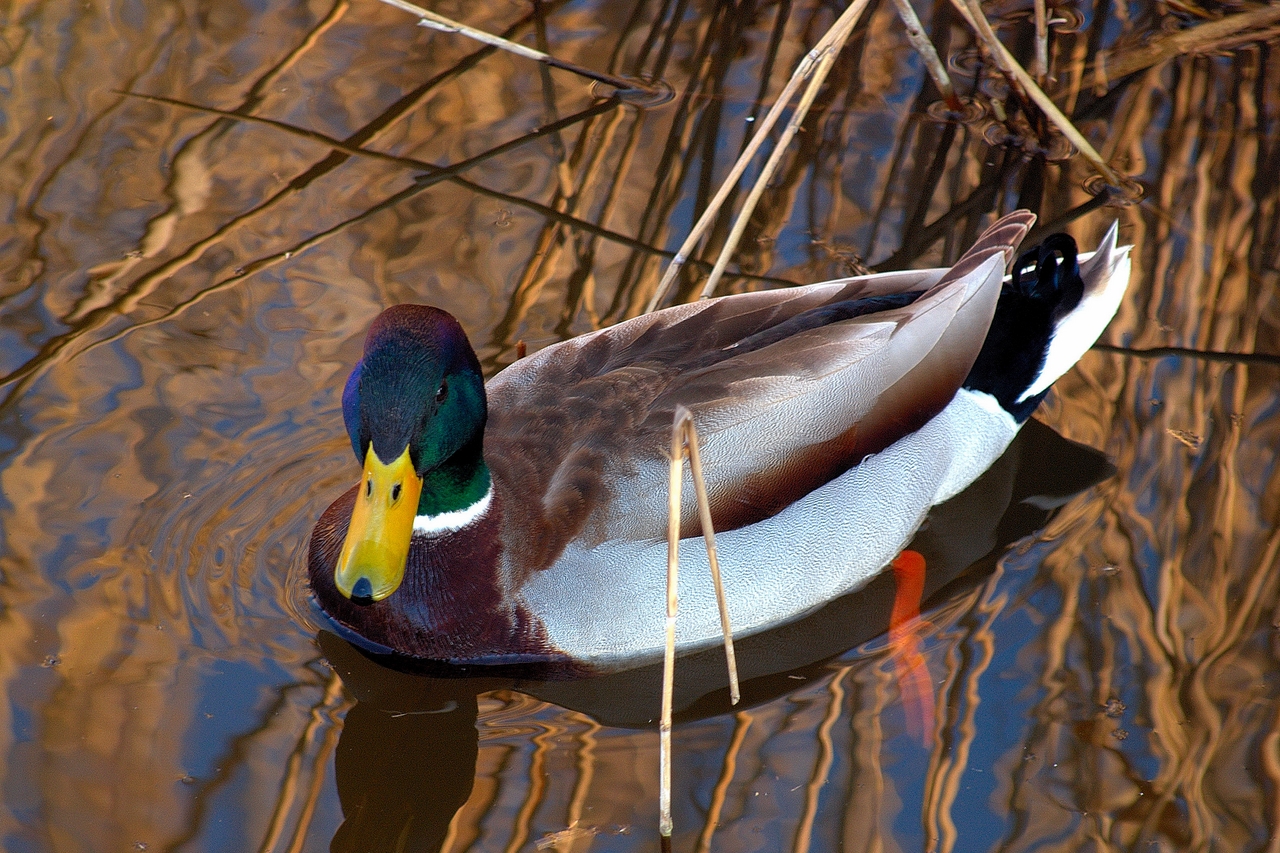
<point x="578" y="433"/>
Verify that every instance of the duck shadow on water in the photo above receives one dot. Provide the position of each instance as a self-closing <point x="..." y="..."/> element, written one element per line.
<point x="406" y="758"/>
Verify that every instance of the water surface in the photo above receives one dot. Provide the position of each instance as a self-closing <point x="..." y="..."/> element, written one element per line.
<point x="182" y="292"/>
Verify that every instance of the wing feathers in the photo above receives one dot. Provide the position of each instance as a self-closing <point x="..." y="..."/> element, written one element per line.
<point x="581" y="427"/>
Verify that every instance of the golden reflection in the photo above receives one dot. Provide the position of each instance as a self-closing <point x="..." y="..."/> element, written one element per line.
<point x="306" y="767"/>
<point x="822" y="768"/>
<point x="728" y="770"/>
<point x="535" y="787"/>
<point x="585" y="767"/>
<point x="949" y="761"/>
<point x="181" y="294"/>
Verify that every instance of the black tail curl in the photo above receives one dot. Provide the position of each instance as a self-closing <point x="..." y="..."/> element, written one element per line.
<point x="1044" y="287"/>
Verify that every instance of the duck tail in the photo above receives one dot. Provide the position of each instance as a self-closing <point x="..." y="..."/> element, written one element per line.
<point x="1052" y="308"/>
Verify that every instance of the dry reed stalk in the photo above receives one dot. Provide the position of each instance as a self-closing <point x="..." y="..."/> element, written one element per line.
<point x="1041" y="67"/>
<point x="675" y="482"/>
<point x="932" y="63"/>
<point x="971" y="11"/>
<point x="840" y="32"/>
<point x="709" y="538"/>
<point x="1225" y="33"/>
<point x="447" y="25"/>
<point x="685" y="436"/>
<point x="807" y="68"/>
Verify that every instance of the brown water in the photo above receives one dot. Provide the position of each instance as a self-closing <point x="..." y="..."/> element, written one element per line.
<point x="182" y="294"/>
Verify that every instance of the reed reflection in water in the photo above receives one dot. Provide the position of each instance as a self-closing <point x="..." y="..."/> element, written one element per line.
<point x="182" y="292"/>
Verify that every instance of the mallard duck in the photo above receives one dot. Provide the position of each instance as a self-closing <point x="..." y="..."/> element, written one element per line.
<point x="524" y="519"/>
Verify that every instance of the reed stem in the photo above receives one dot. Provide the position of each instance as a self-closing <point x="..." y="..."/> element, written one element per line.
<point x="972" y="13"/>
<point x="684" y="438"/>
<point x="435" y="21"/>
<point x="829" y="43"/>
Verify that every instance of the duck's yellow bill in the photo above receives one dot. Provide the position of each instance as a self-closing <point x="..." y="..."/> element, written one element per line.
<point x="374" y="554"/>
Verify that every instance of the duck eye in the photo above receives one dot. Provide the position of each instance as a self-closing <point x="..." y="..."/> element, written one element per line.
<point x="395" y="493"/>
<point x="368" y="488"/>
<point x="442" y="391"/>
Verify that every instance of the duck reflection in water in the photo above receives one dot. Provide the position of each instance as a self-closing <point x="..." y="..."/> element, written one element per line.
<point x="406" y="758"/>
<point x="403" y="768"/>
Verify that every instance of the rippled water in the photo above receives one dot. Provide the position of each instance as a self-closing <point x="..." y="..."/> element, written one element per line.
<point x="182" y="292"/>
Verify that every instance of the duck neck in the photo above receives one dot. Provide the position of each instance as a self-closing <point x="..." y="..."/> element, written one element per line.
<point x="460" y="484"/>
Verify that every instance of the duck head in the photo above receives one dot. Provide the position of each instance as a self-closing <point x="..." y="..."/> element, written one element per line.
<point x="414" y="407"/>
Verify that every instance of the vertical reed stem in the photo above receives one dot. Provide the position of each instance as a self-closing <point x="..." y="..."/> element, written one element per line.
<point x="675" y="484"/>
<point x="685" y="435"/>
